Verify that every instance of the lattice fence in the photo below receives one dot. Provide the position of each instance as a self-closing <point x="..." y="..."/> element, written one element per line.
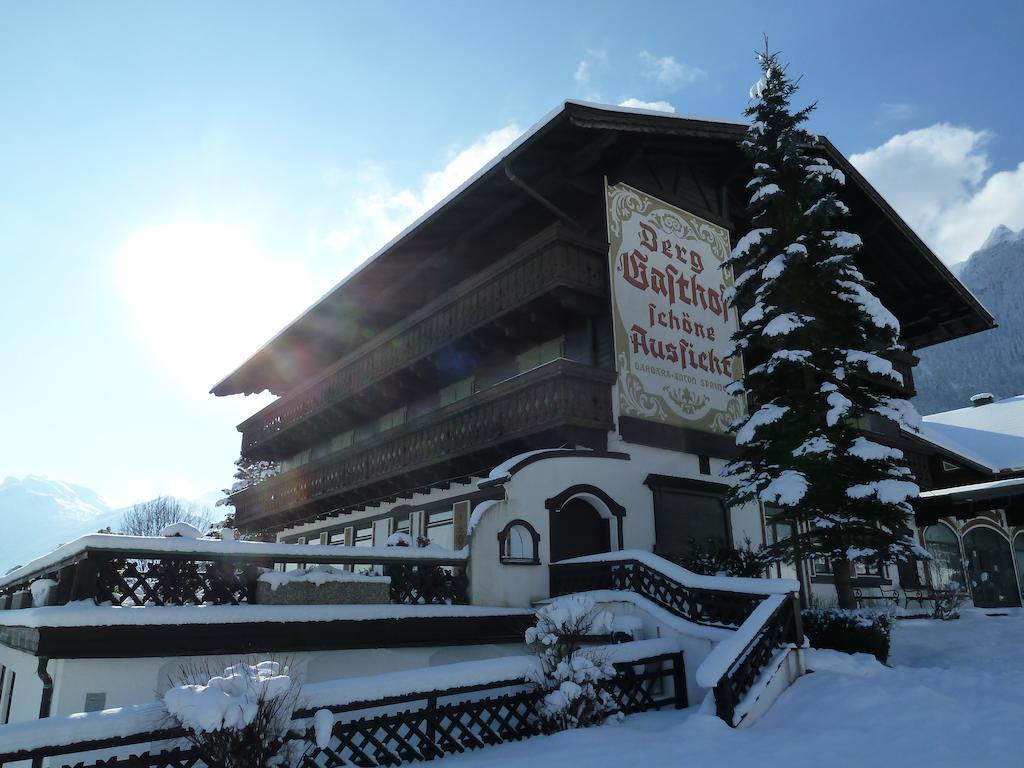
<point x="399" y="730"/>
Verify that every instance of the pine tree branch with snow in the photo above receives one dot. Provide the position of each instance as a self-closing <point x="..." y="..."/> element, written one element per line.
<point x="815" y="340"/>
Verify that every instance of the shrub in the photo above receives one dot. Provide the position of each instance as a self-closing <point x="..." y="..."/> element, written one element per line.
<point x="237" y="718"/>
<point x="570" y="674"/>
<point x="849" y="631"/>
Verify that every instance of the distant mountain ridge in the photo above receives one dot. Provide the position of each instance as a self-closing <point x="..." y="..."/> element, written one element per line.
<point x="990" y="361"/>
<point x="38" y="514"/>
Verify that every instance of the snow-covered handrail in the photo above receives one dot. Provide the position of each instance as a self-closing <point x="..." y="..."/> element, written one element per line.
<point x="688" y="578"/>
<point x="725" y="653"/>
<point x="156" y="547"/>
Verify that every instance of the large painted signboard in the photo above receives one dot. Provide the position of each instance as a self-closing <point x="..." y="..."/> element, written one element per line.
<point x="672" y="322"/>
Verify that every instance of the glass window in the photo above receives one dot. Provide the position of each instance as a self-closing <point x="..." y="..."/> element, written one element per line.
<point x="518" y="545"/>
<point x="344" y="440"/>
<point x="542" y="353"/>
<point x="684" y="520"/>
<point x="441" y="529"/>
<point x="338" y="537"/>
<point x="364" y="537"/>
<point x="460" y="390"/>
<point x="391" y="420"/>
<point x="947" y="568"/>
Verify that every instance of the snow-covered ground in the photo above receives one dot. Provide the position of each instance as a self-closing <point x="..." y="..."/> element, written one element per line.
<point x="954" y="697"/>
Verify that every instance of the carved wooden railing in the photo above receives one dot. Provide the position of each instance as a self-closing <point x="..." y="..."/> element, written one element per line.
<point x="387" y="731"/>
<point x="710" y="607"/>
<point x="741" y="610"/>
<point x="555" y="262"/>
<point x="561" y="393"/>
<point x="141" y="570"/>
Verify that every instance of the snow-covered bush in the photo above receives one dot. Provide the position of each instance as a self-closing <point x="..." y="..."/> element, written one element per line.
<point x="235" y="719"/>
<point x="569" y="673"/>
<point x="849" y="631"/>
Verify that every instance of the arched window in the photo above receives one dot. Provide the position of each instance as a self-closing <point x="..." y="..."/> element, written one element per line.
<point x="947" y="568"/>
<point x="519" y="543"/>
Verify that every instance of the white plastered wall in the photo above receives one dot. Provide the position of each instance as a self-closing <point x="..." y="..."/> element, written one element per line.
<point x="517" y="585"/>
<point x="136" y="681"/>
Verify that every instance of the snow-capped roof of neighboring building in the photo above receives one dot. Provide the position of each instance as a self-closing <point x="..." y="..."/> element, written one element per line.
<point x="978" y="490"/>
<point x="991" y="435"/>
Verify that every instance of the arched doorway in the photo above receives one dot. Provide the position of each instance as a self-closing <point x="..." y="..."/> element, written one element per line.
<point x="990" y="562"/>
<point x="578" y="529"/>
<point x="946" y="566"/>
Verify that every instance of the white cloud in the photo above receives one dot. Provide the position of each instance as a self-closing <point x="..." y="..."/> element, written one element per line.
<point x="377" y="210"/>
<point x="656" y="106"/>
<point x="667" y="71"/>
<point x="585" y="69"/>
<point x="203" y="295"/>
<point x="939" y="180"/>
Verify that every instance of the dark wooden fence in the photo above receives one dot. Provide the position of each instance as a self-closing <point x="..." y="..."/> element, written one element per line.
<point x="399" y="729"/>
<point x="135" y="572"/>
<point x="710" y="607"/>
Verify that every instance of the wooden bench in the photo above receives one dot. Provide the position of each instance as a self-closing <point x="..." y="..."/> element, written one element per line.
<point x="879" y="592"/>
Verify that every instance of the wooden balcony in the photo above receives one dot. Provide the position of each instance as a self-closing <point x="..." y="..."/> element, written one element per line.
<point x="554" y="273"/>
<point x="560" y="403"/>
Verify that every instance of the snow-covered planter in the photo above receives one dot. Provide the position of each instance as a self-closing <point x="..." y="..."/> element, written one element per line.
<point x="570" y="674"/>
<point x="856" y="631"/>
<point x="235" y="719"/>
<point x="321" y="585"/>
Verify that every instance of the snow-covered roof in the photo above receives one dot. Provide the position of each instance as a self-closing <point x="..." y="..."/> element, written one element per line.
<point x="977" y="490"/>
<point x="991" y="435"/>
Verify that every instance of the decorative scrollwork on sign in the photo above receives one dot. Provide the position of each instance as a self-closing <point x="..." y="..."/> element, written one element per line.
<point x="634" y="399"/>
<point x="624" y="202"/>
<point x="687" y="403"/>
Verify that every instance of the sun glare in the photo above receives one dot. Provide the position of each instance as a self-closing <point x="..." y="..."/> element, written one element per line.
<point x="204" y="295"/>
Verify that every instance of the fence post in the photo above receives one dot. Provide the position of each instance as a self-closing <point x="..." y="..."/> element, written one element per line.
<point x="679" y="682"/>
<point x="431" y="719"/>
<point x="798" y="623"/>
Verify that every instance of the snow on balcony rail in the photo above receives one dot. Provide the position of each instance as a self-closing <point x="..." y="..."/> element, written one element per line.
<point x="155" y="547"/>
<point x="687" y="578"/>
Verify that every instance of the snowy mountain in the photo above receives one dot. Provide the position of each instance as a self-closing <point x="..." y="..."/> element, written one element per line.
<point x="38" y="514"/>
<point x="991" y="361"/>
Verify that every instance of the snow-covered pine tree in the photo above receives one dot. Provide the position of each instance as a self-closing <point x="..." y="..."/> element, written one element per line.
<point x="813" y="337"/>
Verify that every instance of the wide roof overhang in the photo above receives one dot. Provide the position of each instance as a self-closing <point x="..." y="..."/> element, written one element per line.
<point x="931" y="303"/>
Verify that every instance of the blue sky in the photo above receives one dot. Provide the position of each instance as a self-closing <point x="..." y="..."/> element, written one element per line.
<point x="181" y="179"/>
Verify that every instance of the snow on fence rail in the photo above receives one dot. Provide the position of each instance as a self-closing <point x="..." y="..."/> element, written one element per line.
<point x="146" y="570"/>
<point x="464" y="722"/>
<point x="688" y="578"/>
<point x="156" y="547"/>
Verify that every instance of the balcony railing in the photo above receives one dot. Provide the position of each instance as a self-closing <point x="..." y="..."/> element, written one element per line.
<point x="561" y="395"/>
<point x="538" y="268"/>
<point x="147" y="570"/>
